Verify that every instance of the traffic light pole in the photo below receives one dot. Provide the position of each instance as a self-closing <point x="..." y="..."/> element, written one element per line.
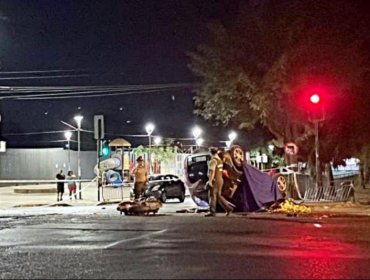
<point x="317" y="152"/>
<point x="98" y="162"/>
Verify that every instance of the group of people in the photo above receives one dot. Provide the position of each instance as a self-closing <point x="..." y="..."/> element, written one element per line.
<point x="70" y="182"/>
<point x="214" y="184"/>
<point x="140" y="173"/>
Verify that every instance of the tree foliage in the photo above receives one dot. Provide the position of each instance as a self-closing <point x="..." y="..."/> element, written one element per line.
<point x="263" y="66"/>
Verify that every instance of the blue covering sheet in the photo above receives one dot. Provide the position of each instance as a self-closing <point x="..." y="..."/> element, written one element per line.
<point x="257" y="190"/>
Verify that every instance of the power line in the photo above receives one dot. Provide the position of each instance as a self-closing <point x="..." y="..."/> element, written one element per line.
<point x="40" y="71"/>
<point x="44" y="77"/>
<point x="30" y="93"/>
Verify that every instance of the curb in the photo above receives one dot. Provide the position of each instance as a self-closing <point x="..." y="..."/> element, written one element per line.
<point x="30" y="205"/>
<point x="40" y="190"/>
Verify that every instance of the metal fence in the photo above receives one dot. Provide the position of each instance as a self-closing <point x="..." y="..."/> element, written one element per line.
<point x="304" y="188"/>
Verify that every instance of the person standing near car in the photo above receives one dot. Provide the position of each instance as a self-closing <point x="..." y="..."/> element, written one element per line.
<point x="141" y="177"/>
<point x="215" y="180"/>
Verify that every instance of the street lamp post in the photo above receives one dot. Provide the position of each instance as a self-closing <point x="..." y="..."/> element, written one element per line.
<point x="197" y="131"/>
<point x="78" y="120"/>
<point x="68" y="136"/>
<point x="232" y="136"/>
<point x="149" y="130"/>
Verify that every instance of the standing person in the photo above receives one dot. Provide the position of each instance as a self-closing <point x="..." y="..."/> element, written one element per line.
<point x="71" y="184"/>
<point x="60" y="185"/>
<point x="215" y="180"/>
<point x="141" y="177"/>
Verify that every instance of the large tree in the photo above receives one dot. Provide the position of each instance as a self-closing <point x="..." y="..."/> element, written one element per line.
<point x="262" y="68"/>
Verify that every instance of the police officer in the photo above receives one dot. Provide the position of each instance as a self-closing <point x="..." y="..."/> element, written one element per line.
<point x="141" y="177"/>
<point x="215" y="180"/>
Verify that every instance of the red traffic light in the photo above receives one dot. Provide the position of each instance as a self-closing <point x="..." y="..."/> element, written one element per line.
<point x="315" y="98"/>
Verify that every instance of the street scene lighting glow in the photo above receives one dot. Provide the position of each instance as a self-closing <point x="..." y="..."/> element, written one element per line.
<point x="199" y="141"/>
<point x="228" y="144"/>
<point x="197" y="131"/>
<point x="315" y="98"/>
<point x="232" y="136"/>
<point x="78" y="120"/>
<point x="157" y="140"/>
<point x="149" y="128"/>
<point x="68" y="135"/>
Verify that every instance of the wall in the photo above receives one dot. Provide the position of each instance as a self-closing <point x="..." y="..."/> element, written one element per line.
<point x="43" y="164"/>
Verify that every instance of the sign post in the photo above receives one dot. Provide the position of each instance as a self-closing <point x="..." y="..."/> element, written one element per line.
<point x="98" y="136"/>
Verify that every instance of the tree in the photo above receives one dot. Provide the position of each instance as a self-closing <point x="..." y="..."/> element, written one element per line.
<point x="260" y="68"/>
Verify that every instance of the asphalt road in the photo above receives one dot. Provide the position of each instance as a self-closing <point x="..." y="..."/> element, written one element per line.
<point x="96" y="242"/>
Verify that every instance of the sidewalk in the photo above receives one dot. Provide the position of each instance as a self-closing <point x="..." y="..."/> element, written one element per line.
<point x="45" y="195"/>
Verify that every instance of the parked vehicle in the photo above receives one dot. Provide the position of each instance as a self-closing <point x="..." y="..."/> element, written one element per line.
<point x="165" y="186"/>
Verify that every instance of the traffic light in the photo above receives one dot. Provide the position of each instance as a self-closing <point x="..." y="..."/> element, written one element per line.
<point x="105" y="150"/>
<point x="315" y="98"/>
<point x="316" y="110"/>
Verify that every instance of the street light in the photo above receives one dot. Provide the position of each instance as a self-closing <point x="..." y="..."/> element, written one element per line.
<point x="197" y="131"/>
<point x="68" y="136"/>
<point x="78" y="120"/>
<point x="232" y="136"/>
<point x="199" y="141"/>
<point x="149" y="130"/>
<point x="157" y="140"/>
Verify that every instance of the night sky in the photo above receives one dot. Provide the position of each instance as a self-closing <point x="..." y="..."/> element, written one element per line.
<point x="103" y="43"/>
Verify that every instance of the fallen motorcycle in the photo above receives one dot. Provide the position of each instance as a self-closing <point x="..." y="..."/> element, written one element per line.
<point x="139" y="207"/>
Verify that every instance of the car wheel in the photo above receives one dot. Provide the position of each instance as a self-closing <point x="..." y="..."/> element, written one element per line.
<point x="237" y="156"/>
<point x="163" y="196"/>
<point x="182" y="197"/>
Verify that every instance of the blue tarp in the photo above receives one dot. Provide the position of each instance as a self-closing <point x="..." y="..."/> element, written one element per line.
<point x="256" y="191"/>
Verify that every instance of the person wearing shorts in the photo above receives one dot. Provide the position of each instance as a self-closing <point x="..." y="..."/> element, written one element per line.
<point x="71" y="184"/>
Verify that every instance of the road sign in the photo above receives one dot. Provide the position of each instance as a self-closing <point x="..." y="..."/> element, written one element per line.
<point x="98" y="127"/>
<point x="291" y="148"/>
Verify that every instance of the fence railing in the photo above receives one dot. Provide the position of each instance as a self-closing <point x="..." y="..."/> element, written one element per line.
<point x="305" y="189"/>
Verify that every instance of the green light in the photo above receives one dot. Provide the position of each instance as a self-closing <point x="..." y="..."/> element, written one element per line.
<point x="105" y="150"/>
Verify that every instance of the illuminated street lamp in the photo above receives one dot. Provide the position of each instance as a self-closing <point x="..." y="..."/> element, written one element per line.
<point x="149" y="130"/>
<point x="197" y="131"/>
<point x="78" y="120"/>
<point x="68" y="136"/>
<point x="157" y="140"/>
<point x="199" y="142"/>
<point x="232" y="136"/>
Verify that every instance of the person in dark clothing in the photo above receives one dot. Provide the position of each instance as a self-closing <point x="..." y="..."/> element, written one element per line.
<point x="60" y="185"/>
